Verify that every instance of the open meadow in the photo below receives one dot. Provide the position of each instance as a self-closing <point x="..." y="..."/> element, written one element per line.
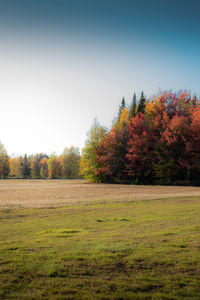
<point x="68" y="239"/>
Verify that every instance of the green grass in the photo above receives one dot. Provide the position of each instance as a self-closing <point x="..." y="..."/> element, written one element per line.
<point x="127" y="250"/>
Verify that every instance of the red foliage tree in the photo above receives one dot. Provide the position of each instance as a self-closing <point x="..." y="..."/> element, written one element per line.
<point x="112" y="154"/>
<point x="141" y="154"/>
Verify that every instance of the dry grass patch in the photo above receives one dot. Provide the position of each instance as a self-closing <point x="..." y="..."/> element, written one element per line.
<point x="57" y="193"/>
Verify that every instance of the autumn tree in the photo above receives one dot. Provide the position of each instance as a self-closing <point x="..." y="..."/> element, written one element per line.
<point x="170" y="166"/>
<point x="35" y="166"/>
<point x="59" y="167"/>
<point x="141" y="154"/>
<point x="52" y="166"/>
<point x="15" y="167"/>
<point x="193" y="145"/>
<point x="4" y="163"/>
<point x="112" y="154"/>
<point x="71" y="162"/>
<point x="44" y="168"/>
<point x="89" y="162"/>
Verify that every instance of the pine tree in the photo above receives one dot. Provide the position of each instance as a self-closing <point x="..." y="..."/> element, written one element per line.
<point x="123" y="105"/>
<point x="133" y="107"/>
<point x="142" y="103"/>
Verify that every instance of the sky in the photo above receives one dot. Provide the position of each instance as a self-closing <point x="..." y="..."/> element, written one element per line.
<point x="65" y="62"/>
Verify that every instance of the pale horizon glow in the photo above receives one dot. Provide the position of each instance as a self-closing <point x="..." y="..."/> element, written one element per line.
<point x="57" y="76"/>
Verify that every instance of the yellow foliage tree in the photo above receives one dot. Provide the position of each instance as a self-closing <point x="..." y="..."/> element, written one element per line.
<point x="124" y="115"/>
<point x="15" y="167"/>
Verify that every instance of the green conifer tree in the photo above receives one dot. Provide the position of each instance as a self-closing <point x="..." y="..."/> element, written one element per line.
<point x="121" y="107"/>
<point x="142" y="103"/>
<point x="133" y="107"/>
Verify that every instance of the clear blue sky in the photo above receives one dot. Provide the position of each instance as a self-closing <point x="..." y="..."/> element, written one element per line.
<point x="65" y="62"/>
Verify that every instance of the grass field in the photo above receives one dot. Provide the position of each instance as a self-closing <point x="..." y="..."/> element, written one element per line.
<point x="72" y="240"/>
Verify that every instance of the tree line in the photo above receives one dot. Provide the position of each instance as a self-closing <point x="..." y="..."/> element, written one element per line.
<point x="152" y="141"/>
<point x="40" y="165"/>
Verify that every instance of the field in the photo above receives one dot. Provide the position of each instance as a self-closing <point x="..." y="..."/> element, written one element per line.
<point x="67" y="239"/>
